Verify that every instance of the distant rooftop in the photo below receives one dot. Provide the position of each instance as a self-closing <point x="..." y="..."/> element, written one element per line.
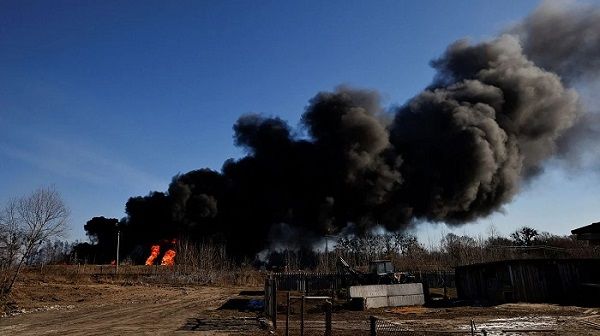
<point x="592" y="228"/>
<point x="590" y="233"/>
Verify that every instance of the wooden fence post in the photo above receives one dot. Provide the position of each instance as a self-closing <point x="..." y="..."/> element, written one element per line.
<point x="373" y="321"/>
<point x="266" y="294"/>
<point x="287" y="316"/>
<point x="328" y="308"/>
<point x="445" y="286"/>
<point x="274" y="293"/>
<point x="302" y="315"/>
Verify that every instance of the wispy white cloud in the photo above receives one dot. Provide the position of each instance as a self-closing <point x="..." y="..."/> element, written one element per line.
<point x="77" y="161"/>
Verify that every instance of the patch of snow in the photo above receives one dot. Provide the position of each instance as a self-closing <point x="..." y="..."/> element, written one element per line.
<point x="21" y="311"/>
<point x="495" y="326"/>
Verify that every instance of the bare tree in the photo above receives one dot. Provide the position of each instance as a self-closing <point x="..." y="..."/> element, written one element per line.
<point x="34" y="218"/>
<point x="11" y="240"/>
<point x="524" y="236"/>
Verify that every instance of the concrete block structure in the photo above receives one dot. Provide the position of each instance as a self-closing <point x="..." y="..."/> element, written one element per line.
<point x="376" y="296"/>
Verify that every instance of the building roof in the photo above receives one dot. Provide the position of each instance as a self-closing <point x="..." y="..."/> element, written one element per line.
<point x="536" y="261"/>
<point x="592" y="228"/>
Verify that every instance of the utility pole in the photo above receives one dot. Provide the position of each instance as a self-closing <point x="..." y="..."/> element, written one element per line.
<point x="118" y="245"/>
<point x="327" y="251"/>
<point x="326" y="254"/>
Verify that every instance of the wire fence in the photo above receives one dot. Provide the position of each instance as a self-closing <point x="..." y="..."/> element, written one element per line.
<point x="297" y="324"/>
<point x="383" y="327"/>
<point x="308" y="282"/>
<point x="307" y="315"/>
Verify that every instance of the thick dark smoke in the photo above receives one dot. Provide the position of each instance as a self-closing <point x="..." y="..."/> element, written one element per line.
<point x="564" y="38"/>
<point x="494" y="114"/>
<point x="489" y="121"/>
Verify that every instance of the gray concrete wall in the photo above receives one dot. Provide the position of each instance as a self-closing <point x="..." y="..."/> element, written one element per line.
<point x="406" y="300"/>
<point x="405" y="289"/>
<point x="376" y="302"/>
<point x="397" y="295"/>
<point x="368" y="291"/>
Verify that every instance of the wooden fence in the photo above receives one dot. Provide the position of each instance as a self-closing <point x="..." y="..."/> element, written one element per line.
<point x="437" y="279"/>
<point x="308" y="282"/>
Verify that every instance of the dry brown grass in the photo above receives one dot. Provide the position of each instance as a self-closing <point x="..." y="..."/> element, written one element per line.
<point x="48" y="285"/>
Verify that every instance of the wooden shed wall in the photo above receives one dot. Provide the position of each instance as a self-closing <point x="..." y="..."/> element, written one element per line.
<point x="540" y="280"/>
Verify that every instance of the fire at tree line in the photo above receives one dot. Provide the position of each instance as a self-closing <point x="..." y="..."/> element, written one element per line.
<point x="403" y="249"/>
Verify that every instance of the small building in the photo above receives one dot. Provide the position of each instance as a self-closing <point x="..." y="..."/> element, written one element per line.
<point x="565" y="281"/>
<point x="591" y="233"/>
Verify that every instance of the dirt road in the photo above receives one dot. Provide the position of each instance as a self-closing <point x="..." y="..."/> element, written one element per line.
<point x="101" y="309"/>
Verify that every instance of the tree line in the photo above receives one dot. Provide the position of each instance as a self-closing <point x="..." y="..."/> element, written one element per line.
<point x="31" y="225"/>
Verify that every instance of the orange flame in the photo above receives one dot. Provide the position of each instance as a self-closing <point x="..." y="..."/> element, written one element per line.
<point x="169" y="258"/>
<point x="154" y="252"/>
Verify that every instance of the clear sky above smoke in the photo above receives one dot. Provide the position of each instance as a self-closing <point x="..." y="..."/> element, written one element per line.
<point x="110" y="100"/>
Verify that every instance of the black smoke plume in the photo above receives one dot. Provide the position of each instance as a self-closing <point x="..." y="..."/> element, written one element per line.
<point x="489" y="121"/>
<point x="494" y="114"/>
<point x="563" y="38"/>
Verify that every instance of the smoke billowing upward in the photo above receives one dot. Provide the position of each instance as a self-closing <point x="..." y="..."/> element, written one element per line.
<point x="488" y="121"/>
<point x="563" y="38"/>
<point x="494" y="114"/>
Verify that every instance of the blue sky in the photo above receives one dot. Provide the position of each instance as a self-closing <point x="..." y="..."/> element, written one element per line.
<point x="109" y="99"/>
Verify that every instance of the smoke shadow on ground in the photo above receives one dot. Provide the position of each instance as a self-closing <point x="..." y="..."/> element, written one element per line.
<point x="251" y="293"/>
<point x="220" y="324"/>
<point x="245" y="301"/>
<point x="239" y="304"/>
<point x="252" y="302"/>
